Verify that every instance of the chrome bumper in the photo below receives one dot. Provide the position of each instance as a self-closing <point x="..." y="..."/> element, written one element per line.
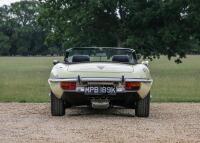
<point x="84" y="79"/>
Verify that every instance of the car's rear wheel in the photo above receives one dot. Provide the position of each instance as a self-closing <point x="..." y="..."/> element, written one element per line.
<point x="143" y="107"/>
<point x="57" y="106"/>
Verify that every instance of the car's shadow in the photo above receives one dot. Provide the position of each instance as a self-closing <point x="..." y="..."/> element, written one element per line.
<point x="85" y="111"/>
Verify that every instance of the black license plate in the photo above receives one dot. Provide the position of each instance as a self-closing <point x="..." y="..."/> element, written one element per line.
<point x="100" y="90"/>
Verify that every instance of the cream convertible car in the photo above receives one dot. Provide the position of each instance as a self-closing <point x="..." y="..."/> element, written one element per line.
<point x="100" y="78"/>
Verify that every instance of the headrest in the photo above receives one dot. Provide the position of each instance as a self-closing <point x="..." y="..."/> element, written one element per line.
<point x="120" y="58"/>
<point x="80" y="58"/>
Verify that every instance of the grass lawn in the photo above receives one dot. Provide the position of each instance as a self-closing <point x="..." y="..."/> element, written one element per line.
<point x="176" y="83"/>
<point x="24" y="79"/>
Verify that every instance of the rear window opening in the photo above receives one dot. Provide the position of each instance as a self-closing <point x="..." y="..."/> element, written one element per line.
<point x="119" y="55"/>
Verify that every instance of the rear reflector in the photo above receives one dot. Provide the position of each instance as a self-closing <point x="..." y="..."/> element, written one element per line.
<point x="132" y="85"/>
<point x="65" y="85"/>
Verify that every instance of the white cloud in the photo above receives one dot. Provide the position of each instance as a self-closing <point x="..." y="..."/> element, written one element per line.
<point x="7" y="2"/>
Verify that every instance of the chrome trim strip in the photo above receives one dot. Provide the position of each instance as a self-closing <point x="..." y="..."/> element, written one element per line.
<point x="101" y="79"/>
<point x="139" y="80"/>
<point x="62" y="79"/>
<point x="100" y="83"/>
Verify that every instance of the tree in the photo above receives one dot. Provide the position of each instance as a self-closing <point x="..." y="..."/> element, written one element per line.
<point x="4" y="44"/>
<point x="29" y="33"/>
<point x="151" y="27"/>
<point x="19" y="24"/>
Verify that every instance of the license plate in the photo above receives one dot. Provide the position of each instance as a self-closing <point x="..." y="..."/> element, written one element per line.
<point x="99" y="90"/>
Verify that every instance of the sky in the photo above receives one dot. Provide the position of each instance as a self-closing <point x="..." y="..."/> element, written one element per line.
<point x="7" y="2"/>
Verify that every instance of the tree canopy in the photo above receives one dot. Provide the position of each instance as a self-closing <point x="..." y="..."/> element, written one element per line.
<point x="151" y="27"/>
<point x="20" y="32"/>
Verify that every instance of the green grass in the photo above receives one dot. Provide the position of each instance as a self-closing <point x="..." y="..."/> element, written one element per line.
<point x="24" y="79"/>
<point x="176" y="83"/>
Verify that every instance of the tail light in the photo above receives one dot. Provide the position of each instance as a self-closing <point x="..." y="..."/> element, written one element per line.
<point x="132" y="85"/>
<point x="65" y="85"/>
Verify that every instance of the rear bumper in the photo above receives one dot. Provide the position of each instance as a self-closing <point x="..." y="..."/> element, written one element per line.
<point x="120" y="99"/>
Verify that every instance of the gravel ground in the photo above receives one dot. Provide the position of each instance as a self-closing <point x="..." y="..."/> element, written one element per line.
<point x="168" y="122"/>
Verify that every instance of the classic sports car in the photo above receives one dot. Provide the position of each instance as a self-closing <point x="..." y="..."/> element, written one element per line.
<point x="100" y="78"/>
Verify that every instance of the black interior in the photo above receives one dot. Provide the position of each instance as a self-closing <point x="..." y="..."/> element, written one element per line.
<point x="120" y="58"/>
<point x="80" y="58"/>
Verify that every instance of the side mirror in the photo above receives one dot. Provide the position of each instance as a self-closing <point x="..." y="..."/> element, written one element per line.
<point x="55" y="62"/>
<point x="146" y="63"/>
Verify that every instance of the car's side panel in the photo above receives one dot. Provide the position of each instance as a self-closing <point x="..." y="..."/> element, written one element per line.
<point x="56" y="89"/>
<point x="144" y="89"/>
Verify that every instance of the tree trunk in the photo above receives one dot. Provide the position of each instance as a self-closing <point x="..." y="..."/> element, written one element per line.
<point x="119" y="42"/>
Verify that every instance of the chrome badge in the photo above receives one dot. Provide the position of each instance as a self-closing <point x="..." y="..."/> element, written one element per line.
<point x="100" y="67"/>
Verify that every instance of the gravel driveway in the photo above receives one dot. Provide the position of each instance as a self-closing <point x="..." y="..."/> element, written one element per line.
<point x="168" y="122"/>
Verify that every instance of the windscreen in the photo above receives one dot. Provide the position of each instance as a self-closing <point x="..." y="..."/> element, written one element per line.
<point x="101" y="55"/>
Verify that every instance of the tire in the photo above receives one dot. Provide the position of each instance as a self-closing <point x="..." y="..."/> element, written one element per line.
<point x="57" y="106"/>
<point x="143" y="107"/>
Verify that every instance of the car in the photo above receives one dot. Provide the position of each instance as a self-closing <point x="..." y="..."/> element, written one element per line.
<point x="100" y="78"/>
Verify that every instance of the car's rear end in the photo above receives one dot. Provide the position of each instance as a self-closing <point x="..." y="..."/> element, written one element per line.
<point x="100" y="85"/>
<point x="108" y="91"/>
